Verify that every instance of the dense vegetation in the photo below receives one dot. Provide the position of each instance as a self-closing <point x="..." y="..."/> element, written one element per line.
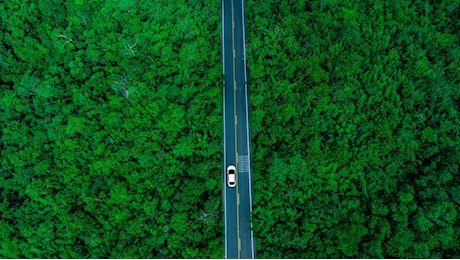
<point x="111" y="129"/>
<point x="356" y="128"/>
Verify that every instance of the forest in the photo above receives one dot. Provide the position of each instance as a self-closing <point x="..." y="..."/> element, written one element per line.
<point x="355" y="128"/>
<point x="110" y="129"/>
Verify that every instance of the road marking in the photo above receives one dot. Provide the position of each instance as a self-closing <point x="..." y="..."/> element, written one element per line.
<point x="223" y="38"/>
<point x="243" y="163"/>
<point x="244" y="42"/>
<point x="237" y="198"/>
<point x="239" y="247"/>
<point x="224" y="190"/>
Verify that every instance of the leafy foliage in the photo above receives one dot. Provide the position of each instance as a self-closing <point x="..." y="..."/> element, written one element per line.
<point x="355" y="127"/>
<point x="110" y="129"/>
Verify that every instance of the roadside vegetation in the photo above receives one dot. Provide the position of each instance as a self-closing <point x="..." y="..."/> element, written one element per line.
<point x="355" y="128"/>
<point x="110" y="129"/>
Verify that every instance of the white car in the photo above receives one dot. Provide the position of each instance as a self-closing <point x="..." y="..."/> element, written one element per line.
<point x="231" y="176"/>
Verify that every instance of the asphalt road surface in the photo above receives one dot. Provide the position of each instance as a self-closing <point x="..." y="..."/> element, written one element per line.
<point x="239" y="239"/>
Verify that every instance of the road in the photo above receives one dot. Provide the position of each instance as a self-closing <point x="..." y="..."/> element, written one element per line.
<point x="239" y="238"/>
